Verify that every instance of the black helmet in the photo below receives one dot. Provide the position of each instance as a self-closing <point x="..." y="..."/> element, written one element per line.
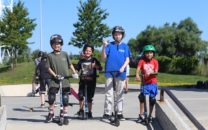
<point x="40" y="54"/>
<point x="56" y="39"/>
<point x="118" y="29"/>
<point x="44" y="56"/>
<point x="86" y="46"/>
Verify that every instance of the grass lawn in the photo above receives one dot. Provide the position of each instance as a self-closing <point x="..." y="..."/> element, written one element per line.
<point x="23" y="74"/>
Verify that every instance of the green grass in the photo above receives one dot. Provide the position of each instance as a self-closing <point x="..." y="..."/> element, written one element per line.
<point x="23" y="74"/>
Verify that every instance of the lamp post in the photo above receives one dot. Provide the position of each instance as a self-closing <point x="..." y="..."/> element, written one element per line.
<point x="41" y="30"/>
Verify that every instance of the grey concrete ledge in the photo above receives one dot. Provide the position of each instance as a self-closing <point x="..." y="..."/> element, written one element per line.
<point x="3" y="118"/>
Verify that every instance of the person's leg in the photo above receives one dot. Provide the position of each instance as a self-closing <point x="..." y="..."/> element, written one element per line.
<point x="51" y="98"/>
<point x="90" y="92"/>
<point x="119" y="94"/>
<point x="34" y="85"/>
<point x="141" y="106"/>
<point x="120" y="84"/>
<point x="81" y="99"/>
<point x="42" y="92"/>
<point x="108" y="96"/>
<point x="152" y="99"/>
<point x="65" y="104"/>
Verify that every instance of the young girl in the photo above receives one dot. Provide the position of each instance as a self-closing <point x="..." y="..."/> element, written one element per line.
<point x="87" y="66"/>
<point x="148" y="66"/>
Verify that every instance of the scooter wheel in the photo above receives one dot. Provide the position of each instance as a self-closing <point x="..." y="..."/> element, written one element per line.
<point x="117" y="123"/>
<point x="146" y="121"/>
<point x="61" y="121"/>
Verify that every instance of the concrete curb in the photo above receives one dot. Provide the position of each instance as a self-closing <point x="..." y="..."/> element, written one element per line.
<point x="3" y="118"/>
<point x="168" y="118"/>
<point x="25" y="89"/>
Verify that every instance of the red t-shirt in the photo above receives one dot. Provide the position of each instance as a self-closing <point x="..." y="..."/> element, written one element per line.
<point x="148" y="67"/>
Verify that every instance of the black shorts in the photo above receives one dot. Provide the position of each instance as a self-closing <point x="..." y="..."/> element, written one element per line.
<point x="90" y="89"/>
<point x="43" y="83"/>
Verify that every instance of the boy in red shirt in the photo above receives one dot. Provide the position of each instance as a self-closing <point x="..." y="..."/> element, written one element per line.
<point x="149" y="67"/>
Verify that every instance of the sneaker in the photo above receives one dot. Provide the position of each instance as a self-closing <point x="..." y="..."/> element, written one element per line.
<point x="42" y="105"/>
<point x="150" y="119"/>
<point x="121" y="117"/>
<point x="49" y="118"/>
<point x="79" y="112"/>
<point x="140" y="118"/>
<point x="55" y="104"/>
<point x="106" y="118"/>
<point x="90" y="115"/>
<point x="66" y="121"/>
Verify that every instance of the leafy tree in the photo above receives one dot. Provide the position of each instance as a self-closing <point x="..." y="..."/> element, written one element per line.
<point x="182" y="41"/>
<point x="16" y="27"/>
<point x="89" y="28"/>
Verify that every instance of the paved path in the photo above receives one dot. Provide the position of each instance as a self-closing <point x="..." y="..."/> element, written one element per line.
<point x="19" y="116"/>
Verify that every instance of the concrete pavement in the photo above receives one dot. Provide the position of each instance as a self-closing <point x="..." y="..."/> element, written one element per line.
<point x="19" y="117"/>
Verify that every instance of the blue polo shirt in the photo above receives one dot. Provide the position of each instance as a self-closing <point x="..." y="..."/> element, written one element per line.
<point x="116" y="55"/>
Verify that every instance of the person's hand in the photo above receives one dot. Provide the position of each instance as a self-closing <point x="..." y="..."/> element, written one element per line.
<point x="75" y="76"/>
<point x="121" y="70"/>
<point x="105" y="43"/>
<point x="93" y="65"/>
<point x="59" y="77"/>
<point x="37" y="77"/>
<point x="137" y="78"/>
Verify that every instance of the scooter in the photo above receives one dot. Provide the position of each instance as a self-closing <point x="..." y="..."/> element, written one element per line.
<point x="86" y="110"/>
<point x="114" y="118"/>
<point x="145" y="102"/>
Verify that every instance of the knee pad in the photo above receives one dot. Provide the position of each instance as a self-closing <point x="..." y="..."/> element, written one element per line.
<point x="141" y="97"/>
<point x="65" y="99"/>
<point x="152" y="101"/>
<point x="51" y="98"/>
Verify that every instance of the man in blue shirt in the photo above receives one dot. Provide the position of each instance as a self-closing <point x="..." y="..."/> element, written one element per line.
<point x="116" y="55"/>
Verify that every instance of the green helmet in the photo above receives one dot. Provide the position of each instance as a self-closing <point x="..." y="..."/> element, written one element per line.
<point x="149" y="48"/>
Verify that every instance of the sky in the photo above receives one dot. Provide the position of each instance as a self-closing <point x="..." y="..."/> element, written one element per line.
<point x="58" y="17"/>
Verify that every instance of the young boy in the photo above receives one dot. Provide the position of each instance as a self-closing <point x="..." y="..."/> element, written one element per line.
<point x="87" y="66"/>
<point x="59" y="64"/>
<point x="149" y="67"/>
<point x="35" y="80"/>
<point x="44" y="76"/>
<point x="116" y="54"/>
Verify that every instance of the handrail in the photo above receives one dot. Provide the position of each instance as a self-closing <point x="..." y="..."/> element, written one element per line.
<point x="182" y="107"/>
<point x="0" y="99"/>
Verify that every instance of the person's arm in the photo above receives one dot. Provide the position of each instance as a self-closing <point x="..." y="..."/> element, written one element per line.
<point x="73" y="69"/>
<point x="105" y="43"/>
<point x="96" y="64"/>
<point x="124" y="65"/>
<point x="52" y="72"/>
<point x="137" y="74"/>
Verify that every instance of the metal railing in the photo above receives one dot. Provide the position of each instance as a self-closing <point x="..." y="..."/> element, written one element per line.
<point x="181" y="106"/>
<point x="0" y="99"/>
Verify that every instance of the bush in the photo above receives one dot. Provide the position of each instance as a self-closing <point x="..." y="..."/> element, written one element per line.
<point x="164" y="63"/>
<point x="184" y="65"/>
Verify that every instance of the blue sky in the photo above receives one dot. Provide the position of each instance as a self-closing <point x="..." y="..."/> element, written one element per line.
<point x="134" y="15"/>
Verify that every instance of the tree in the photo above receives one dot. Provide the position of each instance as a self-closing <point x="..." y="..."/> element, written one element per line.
<point x="89" y="28"/>
<point x="172" y="42"/>
<point x="16" y="27"/>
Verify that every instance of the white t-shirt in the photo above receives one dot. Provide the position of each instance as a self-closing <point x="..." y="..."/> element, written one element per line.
<point x="127" y="70"/>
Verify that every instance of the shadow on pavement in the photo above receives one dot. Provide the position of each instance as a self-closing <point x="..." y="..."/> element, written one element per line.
<point x="28" y="120"/>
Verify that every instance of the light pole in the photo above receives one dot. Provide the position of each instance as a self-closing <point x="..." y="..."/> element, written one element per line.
<point x="41" y="30"/>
